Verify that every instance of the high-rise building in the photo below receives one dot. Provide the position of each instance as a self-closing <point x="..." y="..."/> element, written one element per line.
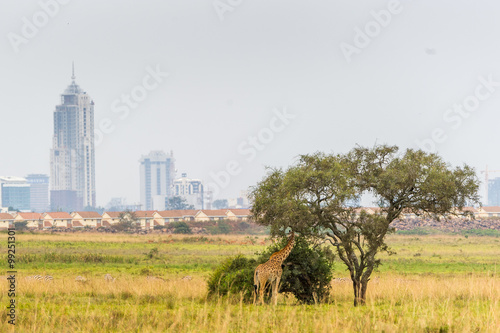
<point x="72" y="158"/>
<point x="494" y="192"/>
<point x="157" y="176"/>
<point x="39" y="192"/>
<point x="191" y="190"/>
<point x="15" y="193"/>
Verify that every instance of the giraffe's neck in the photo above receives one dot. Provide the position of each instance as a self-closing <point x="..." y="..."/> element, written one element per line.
<point x="283" y="253"/>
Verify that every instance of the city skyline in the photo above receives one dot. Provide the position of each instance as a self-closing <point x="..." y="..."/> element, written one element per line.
<point x="231" y="97"/>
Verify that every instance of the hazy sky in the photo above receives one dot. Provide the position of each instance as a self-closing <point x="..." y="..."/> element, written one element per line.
<point x="250" y="83"/>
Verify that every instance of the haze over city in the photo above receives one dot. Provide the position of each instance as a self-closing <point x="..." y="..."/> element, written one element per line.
<point x="231" y="89"/>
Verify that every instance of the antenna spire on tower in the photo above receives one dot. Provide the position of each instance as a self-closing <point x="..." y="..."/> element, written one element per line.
<point x="73" y="75"/>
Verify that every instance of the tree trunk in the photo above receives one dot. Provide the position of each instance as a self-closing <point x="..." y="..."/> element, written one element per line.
<point x="360" y="287"/>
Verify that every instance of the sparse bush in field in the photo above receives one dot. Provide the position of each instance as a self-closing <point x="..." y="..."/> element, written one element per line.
<point x="152" y="253"/>
<point x="146" y="271"/>
<point x="194" y="239"/>
<point x="222" y="227"/>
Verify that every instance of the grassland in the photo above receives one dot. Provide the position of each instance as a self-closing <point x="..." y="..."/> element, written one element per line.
<point x="433" y="284"/>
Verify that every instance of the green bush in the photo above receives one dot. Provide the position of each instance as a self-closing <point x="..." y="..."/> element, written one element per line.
<point x="180" y="228"/>
<point x="21" y="225"/>
<point x="308" y="270"/>
<point x="307" y="273"/>
<point x="480" y="232"/>
<point x="234" y="276"/>
<point x="221" y="228"/>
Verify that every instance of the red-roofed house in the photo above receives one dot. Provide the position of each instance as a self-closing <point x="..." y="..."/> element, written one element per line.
<point x="34" y="219"/>
<point x="145" y="218"/>
<point x="238" y="214"/>
<point x="87" y="219"/>
<point x="167" y="216"/>
<point x="56" y="219"/>
<point x="110" y="218"/>
<point x="6" y="221"/>
<point x="210" y="215"/>
<point x="488" y="211"/>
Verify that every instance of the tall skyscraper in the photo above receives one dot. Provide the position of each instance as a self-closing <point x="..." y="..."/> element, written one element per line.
<point x="72" y="157"/>
<point x="39" y="192"/>
<point x="157" y="177"/>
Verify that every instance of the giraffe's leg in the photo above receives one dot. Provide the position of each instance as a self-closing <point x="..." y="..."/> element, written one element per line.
<point x="255" y="291"/>
<point x="255" y="286"/>
<point x="275" y="289"/>
<point x="262" y="288"/>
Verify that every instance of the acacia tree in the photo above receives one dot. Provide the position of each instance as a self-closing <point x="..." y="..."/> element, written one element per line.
<point x="315" y="197"/>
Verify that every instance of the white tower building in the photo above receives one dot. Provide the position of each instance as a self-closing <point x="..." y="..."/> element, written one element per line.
<point x="72" y="157"/>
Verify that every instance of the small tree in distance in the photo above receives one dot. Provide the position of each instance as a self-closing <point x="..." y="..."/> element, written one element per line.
<point x="178" y="203"/>
<point x="220" y="204"/>
<point x="127" y="221"/>
<point x="315" y="198"/>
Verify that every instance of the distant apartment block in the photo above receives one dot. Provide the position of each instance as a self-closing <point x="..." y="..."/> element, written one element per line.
<point x="494" y="192"/>
<point x="72" y="157"/>
<point x="39" y="192"/>
<point x="191" y="190"/>
<point x="157" y="173"/>
<point x="120" y="204"/>
<point x="239" y="202"/>
<point x="15" y="193"/>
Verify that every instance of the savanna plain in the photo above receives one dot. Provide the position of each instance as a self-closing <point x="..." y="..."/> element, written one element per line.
<point x="434" y="283"/>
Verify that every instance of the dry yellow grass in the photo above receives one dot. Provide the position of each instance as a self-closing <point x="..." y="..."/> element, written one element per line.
<point x="395" y="304"/>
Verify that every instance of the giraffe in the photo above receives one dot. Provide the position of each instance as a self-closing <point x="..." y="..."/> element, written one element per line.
<point x="271" y="271"/>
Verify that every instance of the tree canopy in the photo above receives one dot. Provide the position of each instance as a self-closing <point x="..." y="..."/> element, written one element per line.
<point x="220" y="204"/>
<point x="315" y="198"/>
<point x="178" y="203"/>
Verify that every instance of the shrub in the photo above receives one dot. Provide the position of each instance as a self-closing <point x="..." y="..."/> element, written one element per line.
<point x="152" y="253"/>
<point x="123" y="225"/>
<point x="222" y="227"/>
<point x="21" y="225"/>
<point x="233" y="276"/>
<point x="180" y="228"/>
<point x="308" y="270"/>
<point x="307" y="273"/>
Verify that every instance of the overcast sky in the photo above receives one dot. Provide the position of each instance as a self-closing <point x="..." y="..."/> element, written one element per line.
<point x="250" y="83"/>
